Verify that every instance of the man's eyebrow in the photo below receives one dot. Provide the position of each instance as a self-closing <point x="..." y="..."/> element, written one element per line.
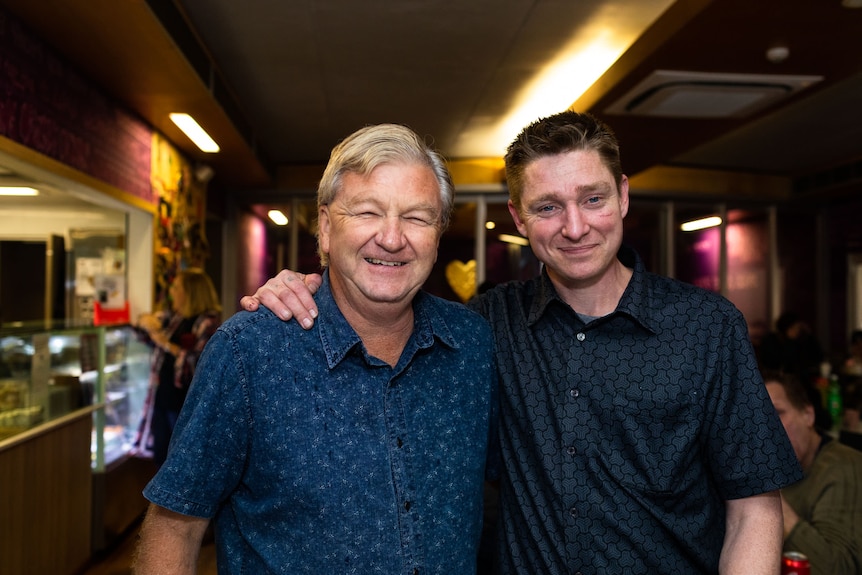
<point x="580" y="190"/>
<point x="424" y="207"/>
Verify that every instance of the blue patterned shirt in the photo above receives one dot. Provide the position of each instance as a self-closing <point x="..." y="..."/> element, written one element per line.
<point x="622" y="438"/>
<point x="315" y="457"/>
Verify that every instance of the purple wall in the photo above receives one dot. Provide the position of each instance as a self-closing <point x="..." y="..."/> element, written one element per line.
<point x="46" y="105"/>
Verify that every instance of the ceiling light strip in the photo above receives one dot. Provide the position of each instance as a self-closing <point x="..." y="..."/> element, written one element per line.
<point x="195" y="133"/>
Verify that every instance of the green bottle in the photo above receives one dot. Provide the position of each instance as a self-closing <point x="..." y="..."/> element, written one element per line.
<point x="833" y="401"/>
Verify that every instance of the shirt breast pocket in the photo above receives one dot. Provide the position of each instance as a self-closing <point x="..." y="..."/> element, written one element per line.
<point x="652" y="445"/>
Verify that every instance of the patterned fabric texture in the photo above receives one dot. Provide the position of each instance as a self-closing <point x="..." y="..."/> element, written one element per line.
<point x="314" y="457"/>
<point x="622" y="438"/>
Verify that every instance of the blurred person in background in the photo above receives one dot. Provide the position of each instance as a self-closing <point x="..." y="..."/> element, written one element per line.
<point x="823" y="512"/>
<point x="792" y="348"/>
<point x="177" y="337"/>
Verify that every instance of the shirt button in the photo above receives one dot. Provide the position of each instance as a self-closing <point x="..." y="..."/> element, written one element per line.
<point x="407" y="506"/>
<point x="571" y="450"/>
<point x="574" y="393"/>
<point x="399" y="442"/>
<point x="581" y="336"/>
<point x="573" y="512"/>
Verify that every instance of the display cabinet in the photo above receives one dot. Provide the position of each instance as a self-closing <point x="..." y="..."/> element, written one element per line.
<point x="48" y="373"/>
<point x="71" y="402"/>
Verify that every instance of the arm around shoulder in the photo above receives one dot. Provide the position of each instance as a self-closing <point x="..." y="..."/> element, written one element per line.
<point x="169" y="543"/>
<point x="289" y="296"/>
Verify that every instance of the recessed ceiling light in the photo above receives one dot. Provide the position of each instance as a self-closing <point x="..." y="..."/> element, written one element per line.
<point x="196" y="134"/>
<point x="278" y="217"/>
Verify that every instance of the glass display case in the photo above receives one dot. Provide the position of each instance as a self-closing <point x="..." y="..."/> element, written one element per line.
<point x="48" y="373"/>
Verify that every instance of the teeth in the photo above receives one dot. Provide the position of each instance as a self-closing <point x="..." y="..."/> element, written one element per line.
<point x="383" y="263"/>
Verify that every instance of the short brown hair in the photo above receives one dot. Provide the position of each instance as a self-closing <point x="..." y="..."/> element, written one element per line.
<point x="557" y="134"/>
<point x="793" y="388"/>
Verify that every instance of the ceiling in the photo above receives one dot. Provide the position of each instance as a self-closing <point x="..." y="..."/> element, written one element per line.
<point x="278" y="82"/>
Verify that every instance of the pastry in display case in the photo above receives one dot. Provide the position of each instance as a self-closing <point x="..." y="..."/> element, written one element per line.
<point x="15" y="415"/>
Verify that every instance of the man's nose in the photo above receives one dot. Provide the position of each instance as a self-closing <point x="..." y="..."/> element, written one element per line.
<point x="575" y="225"/>
<point x="391" y="235"/>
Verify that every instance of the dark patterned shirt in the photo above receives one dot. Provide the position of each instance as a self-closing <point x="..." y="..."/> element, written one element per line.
<point x="315" y="457"/>
<point x="622" y="438"/>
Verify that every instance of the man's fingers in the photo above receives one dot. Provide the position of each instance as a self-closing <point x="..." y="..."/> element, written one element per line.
<point x="248" y="303"/>
<point x="289" y="295"/>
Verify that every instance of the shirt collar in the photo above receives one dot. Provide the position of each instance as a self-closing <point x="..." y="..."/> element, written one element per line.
<point x="339" y="338"/>
<point x="633" y="303"/>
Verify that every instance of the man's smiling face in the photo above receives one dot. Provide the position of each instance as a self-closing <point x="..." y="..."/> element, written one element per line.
<point x="381" y="233"/>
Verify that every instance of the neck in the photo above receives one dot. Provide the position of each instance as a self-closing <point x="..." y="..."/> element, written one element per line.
<point x="595" y="298"/>
<point x="383" y="328"/>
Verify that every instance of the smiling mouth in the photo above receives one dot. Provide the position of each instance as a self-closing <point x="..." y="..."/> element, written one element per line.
<point x="383" y="263"/>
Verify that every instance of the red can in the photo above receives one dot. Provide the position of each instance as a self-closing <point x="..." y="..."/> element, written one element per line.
<point x="795" y="563"/>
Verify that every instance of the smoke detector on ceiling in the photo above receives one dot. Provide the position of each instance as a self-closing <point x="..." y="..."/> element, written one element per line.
<point x="675" y="94"/>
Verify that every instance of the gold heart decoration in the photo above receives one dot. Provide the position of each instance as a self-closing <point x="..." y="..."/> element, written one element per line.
<point x="462" y="278"/>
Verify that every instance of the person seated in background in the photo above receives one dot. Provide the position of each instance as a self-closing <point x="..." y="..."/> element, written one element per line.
<point x="793" y="348"/>
<point x="823" y="512"/>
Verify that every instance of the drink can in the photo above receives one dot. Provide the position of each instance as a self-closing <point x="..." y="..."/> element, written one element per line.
<point x="795" y="563"/>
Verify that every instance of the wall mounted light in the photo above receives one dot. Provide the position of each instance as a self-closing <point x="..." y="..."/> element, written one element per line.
<point x="18" y="191"/>
<point x="701" y="224"/>
<point x="195" y="133"/>
<point x="277" y="217"/>
<point x="489" y="225"/>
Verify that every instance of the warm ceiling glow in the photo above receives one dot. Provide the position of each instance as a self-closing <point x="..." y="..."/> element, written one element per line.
<point x="578" y="65"/>
<point x="701" y="224"/>
<point x="510" y="239"/>
<point x="562" y="82"/>
<point x="489" y="225"/>
<point x="278" y="217"/>
<point x="18" y="191"/>
<point x="195" y="133"/>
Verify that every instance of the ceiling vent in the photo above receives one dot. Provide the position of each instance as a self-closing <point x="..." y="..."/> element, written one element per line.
<point x="673" y="94"/>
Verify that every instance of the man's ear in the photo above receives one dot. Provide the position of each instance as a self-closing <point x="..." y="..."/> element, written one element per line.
<point x="809" y="415"/>
<point x="323" y="228"/>
<point x="516" y="217"/>
<point x="624" y="196"/>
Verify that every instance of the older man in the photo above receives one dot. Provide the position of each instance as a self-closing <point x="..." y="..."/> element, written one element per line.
<point x="356" y="447"/>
